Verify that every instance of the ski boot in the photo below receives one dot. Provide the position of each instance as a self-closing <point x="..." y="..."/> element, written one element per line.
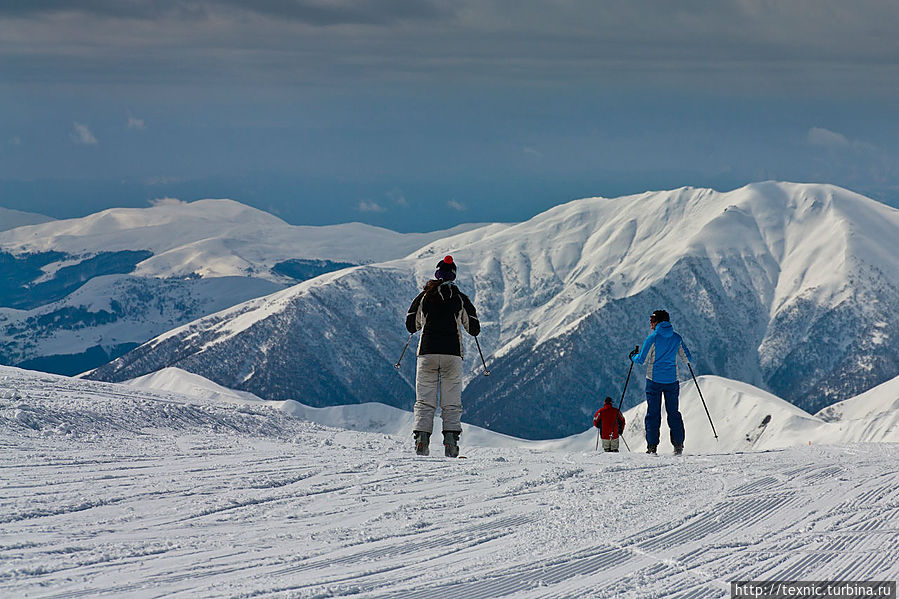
<point x="678" y="449"/>
<point x="451" y="443"/>
<point x="651" y="449"/>
<point x="422" y="442"/>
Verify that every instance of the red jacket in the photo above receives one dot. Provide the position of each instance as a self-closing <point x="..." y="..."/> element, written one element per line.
<point x="609" y="421"/>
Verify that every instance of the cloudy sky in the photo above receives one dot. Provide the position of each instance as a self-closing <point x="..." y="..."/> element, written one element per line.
<point x="421" y="114"/>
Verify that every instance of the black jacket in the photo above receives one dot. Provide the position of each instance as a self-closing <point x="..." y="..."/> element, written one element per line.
<point x="442" y="311"/>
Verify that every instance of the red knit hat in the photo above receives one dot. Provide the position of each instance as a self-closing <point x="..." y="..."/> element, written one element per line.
<point x="446" y="269"/>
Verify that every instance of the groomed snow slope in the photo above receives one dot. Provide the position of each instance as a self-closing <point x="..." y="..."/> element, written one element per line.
<point x="108" y="490"/>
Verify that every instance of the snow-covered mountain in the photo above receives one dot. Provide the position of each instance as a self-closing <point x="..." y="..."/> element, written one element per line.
<point x="78" y="292"/>
<point x="124" y="491"/>
<point x="10" y="219"/>
<point x="788" y="287"/>
<point x="875" y="412"/>
<point x="745" y="418"/>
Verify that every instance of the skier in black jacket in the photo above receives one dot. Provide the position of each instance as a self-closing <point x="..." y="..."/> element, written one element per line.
<point x="441" y="311"/>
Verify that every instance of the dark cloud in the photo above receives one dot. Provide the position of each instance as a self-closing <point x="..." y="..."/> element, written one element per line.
<point x="121" y="9"/>
<point x="341" y="12"/>
<point x="311" y="12"/>
<point x="749" y="43"/>
<point x="549" y="98"/>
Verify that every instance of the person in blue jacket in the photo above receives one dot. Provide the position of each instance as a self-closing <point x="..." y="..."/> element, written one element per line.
<point x="659" y="353"/>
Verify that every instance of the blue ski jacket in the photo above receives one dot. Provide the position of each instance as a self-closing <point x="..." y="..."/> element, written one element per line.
<point x="660" y="351"/>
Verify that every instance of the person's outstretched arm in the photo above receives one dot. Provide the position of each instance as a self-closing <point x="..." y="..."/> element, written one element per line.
<point x="684" y="351"/>
<point x="640" y="358"/>
<point x="470" y="316"/>
<point x="413" y="319"/>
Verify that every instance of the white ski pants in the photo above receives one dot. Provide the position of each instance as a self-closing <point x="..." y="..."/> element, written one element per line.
<point x="438" y="374"/>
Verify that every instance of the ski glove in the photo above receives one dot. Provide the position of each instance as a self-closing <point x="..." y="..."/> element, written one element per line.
<point x="634" y="352"/>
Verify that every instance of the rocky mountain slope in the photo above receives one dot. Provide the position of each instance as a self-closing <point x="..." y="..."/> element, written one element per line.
<point x="789" y="287"/>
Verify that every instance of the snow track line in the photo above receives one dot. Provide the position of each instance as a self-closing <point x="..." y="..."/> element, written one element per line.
<point x="418" y="546"/>
<point x="861" y="567"/>
<point x="700" y="592"/>
<point x="282" y="483"/>
<point x="367" y="574"/>
<point x="209" y="571"/>
<point x="822" y="474"/>
<point x="743" y="512"/>
<point x="416" y="563"/>
<point x="522" y="577"/>
<point x="805" y="566"/>
<point x="47" y="513"/>
<point x="764" y="484"/>
<point x="247" y="503"/>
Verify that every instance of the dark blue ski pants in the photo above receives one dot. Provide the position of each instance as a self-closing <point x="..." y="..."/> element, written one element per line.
<point x="653" y="421"/>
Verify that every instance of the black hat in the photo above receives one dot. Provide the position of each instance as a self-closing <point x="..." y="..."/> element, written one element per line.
<point x="446" y="269"/>
<point x="609" y="400"/>
<point x="660" y="316"/>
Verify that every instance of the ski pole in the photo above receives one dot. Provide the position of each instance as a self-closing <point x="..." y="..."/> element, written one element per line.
<point x="486" y="372"/>
<point x="703" y="401"/>
<point x="397" y="365"/>
<point x="621" y="401"/>
<point x="620" y="436"/>
<point x="623" y="391"/>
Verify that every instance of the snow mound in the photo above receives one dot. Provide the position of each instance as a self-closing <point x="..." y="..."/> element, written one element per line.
<point x="368" y="417"/>
<point x="192" y="385"/>
<point x="746" y="418"/>
<point x="880" y="399"/>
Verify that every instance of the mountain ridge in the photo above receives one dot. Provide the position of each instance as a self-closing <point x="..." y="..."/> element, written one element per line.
<point x="564" y="296"/>
<point x="12" y="219"/>
<point x="79" y="292"/>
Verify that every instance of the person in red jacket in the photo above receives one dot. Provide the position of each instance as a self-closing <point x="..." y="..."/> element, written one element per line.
<point x="610" y="422"/>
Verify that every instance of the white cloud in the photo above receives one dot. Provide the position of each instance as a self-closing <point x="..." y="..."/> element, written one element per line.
<point x="532" y="152"/>
<point x="167" y="202"/>
<point x="818" y="136"/>
<point x="367" y="206"/>
<point x="163" y="180"/>
<point x="456" y="205"/>
<point x="83" y="135"/>
<point x="825" y="138"/>
<point x="397" y="197"/>
<point x="136" y="124"/>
